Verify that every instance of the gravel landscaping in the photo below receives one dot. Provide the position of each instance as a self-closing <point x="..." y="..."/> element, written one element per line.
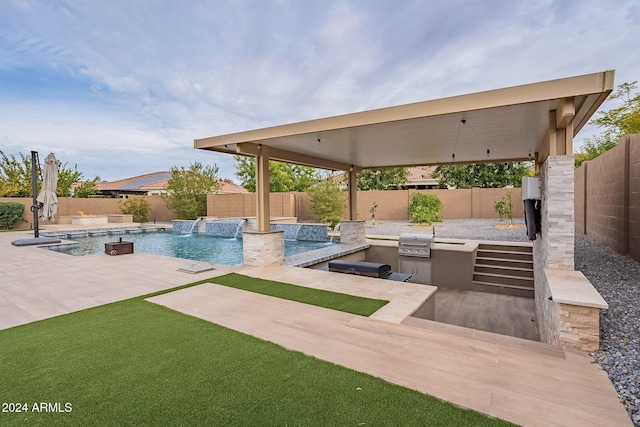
<point x="616" y="277"/>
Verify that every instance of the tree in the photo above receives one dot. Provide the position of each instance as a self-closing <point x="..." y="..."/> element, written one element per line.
<point x="187" y="189"/>
<point x="382" y="178"/>
<point x="86" y="189"/>
<point x="326" y="201"/>
<point x="616" y="122"/>
<point x="15" y="177"/>
<point x="484" y="175"/>
<point x="283" y="177"/>
<point x="505" y="207"/>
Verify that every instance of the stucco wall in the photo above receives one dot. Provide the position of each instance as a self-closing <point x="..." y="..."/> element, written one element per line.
<point x="607" y="202"/>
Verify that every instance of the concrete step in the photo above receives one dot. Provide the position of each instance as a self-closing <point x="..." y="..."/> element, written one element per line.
<point x="515" y="271"/>
<point x="520" y="263"/>
<point x="502" y="279"/>
<point x="490" y="337"/>
<point x="504" y="289"/>
<point x="505" y="254"/>
<point x="526" y="248"/>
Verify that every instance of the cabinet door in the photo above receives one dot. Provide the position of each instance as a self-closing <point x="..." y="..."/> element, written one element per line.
<point x="419" y="269"/>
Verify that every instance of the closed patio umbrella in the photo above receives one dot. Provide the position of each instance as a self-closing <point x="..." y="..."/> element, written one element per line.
<point x="48" y="197"/>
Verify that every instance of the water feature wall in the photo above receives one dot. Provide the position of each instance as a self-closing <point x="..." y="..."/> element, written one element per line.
<point x="181" y="226"/>
<point x="233" y="227"/>
<point x="225" y="227"/>
<point x="305" y="232"/>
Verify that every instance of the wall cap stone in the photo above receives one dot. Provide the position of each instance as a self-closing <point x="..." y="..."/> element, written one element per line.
<point x="571" y="287"/>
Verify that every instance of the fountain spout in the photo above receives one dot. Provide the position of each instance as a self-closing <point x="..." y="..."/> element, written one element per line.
<point x="242" y="221"/>
<point x="195" y="224"/>
<point x="335" y="230"/>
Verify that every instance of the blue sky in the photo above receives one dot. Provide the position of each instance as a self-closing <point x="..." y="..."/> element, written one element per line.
<point x="122" y="88"/>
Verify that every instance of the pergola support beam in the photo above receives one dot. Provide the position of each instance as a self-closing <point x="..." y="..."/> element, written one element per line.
<point x="353" y="194"/>
<point x="253" y="149"/>
<point x="263" y="214"/>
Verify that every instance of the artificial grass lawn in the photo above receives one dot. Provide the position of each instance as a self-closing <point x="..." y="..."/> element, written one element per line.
<point x="137" y="363"/>
<point x="327" y="299"/>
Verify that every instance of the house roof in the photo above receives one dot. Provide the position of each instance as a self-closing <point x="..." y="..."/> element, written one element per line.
<point x="136" y="182"/>
<point x="498" y="125"/>
<point x="155" y="181"/>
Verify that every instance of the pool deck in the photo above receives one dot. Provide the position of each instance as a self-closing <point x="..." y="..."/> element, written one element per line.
<point x="525" y="382"/>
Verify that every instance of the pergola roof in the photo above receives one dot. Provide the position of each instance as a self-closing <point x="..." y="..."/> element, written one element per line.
<point x="511" y="123"/>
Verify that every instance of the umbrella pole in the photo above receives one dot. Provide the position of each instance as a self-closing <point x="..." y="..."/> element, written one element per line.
<point x="34" y="192"/>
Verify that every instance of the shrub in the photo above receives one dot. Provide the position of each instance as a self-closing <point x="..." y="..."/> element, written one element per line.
<point x="326" y="202"/>
<point x="139" y="207"/>
<point x="10" y="213"/>
<point x="425" y="208"/>
<point x="372" y="211"/>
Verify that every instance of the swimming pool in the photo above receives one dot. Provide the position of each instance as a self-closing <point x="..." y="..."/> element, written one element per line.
<point x="216" y="250"/>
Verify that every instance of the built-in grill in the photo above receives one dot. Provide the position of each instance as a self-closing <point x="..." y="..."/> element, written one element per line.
<point x="415" y="245"/>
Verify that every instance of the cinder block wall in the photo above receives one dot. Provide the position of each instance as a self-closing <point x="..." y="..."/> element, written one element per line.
<point x="607" y="202"/>
<point x="393" y="204"/>
<point x="68" y="206"/>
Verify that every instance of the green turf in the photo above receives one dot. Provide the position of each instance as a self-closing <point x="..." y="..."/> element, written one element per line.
<point x="333" y="300"/>
<point x="137" y="363"/>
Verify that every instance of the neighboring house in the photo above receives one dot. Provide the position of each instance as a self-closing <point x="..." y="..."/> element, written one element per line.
<point x="419" y="178"/>
<point x="151" y="184"/>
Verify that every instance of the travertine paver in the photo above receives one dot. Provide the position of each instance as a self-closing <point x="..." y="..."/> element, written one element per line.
<point x="523" y="384"/>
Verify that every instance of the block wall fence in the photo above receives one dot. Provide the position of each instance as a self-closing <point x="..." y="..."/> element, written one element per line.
<point x="69" y="206"/>
<point x="607" y="197"/>
<point x="392" y="205"/>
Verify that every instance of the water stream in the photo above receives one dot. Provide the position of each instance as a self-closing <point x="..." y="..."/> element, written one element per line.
<point x="195" y="224"/>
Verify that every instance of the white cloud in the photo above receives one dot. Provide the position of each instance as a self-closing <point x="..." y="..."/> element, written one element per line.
<point x="143" y="79"/>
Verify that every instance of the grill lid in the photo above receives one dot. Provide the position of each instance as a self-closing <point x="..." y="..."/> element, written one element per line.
<point x="418" y="245"/>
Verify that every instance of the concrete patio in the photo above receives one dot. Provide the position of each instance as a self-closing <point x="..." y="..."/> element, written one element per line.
<point x="522" y="381"/>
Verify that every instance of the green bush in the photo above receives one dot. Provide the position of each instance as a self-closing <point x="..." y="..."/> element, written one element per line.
<point x="425" y="208"/>
<point x="326" y="202"/>
<point x="139" y="207"/>
<point x="10" y="213"/>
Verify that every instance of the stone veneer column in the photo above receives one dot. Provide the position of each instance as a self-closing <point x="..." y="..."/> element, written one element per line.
<point x="554" y="246"/>
<point x="352" y="232"/>
<point x="558" y="221"/>
<point x="263" y="248"/>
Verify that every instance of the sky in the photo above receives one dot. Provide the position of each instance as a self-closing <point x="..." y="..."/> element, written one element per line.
<point x="122" y="87"/>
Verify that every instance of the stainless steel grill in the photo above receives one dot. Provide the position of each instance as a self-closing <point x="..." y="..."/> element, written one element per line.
<point x="415" y="245"/>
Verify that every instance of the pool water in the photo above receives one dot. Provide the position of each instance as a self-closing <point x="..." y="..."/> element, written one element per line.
<point x="217" y="250"/>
